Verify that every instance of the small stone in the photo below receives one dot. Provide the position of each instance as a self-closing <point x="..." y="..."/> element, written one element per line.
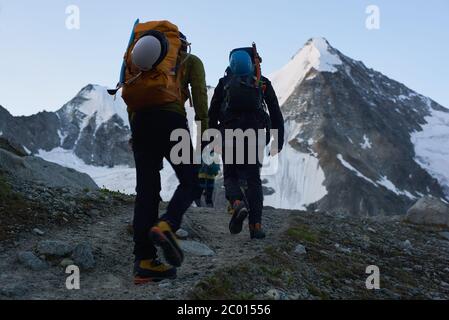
<point x="407" y="245"/>
<point x="94" y="212"/>
<point x="39" y="232"/>
<point x="29" y="260"/>
<point x="83" y="256"/>
<point x="182" y="234"/>
<point x="342" y="249"/>
<point x="54" y="248"/>
<point x="445" y="235"/>
<point x="164" y="284"/>
<point x="418" y="268"/>
<point x="275" y="294"/>
<point x="300" y="249"/>
<point x="66" y="262"/>
<point x="371" y="230"/>
<point x="196" y="248"/>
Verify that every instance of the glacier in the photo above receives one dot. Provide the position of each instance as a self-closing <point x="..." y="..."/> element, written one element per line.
<point x="298" y="180"/>
<point x="432" y="147"/>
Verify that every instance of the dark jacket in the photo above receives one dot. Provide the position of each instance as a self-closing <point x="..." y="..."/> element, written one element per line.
<point x="270" y="98"/>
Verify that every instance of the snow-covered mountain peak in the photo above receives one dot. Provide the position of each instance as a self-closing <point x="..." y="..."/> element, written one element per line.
<point x="94" y="101"/>
<point x="317" y="54"/>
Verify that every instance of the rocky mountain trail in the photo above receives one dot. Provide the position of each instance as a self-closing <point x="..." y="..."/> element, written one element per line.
<point x="208" y="247"/>
<point x="305" y="256"/>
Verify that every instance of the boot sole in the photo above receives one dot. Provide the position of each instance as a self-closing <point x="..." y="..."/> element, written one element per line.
<point x="236" y="224"/>
<point x="172" y="252"/>
<point x="141" y="280"/>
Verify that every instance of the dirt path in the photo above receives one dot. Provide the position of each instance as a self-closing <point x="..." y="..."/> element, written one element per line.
<point x="112" y="246"/>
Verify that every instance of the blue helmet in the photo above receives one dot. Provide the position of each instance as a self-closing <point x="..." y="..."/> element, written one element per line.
<point x="240" y="63"/>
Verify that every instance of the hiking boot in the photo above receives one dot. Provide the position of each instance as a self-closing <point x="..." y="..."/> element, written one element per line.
<point x="162" y="236"/>
<point x="239" y="214"/>
<point x="256" y="231"/>
<point x="229" y="209"/>
<point x="146" y="271"/>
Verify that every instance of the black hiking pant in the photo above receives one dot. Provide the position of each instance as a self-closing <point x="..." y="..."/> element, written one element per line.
<point x="151" y="132"/>
<point x="248" y="178"/>
<point x="207" y="186"/>
<point x="244" y="176"/>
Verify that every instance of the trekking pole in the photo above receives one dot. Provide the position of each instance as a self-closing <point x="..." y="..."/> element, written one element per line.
<point x="257" y="63"/>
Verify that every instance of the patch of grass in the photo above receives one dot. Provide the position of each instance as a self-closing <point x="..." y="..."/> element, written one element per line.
<point x="302" y="233"/>
<point x="5" y="189"/>
<point x="340" y="268"/>
<point x="317" y="292"/>
<point x="244" y="296"/>
<point x="7" y="195"/>
<point x="221" y="286"/>
<point x="276" y="256"/>
<point x="15" y="211"/>
<point x="213" y="287"/>
<point x="405" y="278"/>
<point x="108" y="192"/>
<point x="274" y="272"/>
<point x="116" y="195"/>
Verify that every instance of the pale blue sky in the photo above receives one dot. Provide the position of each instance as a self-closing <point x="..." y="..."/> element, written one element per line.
<point x="43" y="64"/>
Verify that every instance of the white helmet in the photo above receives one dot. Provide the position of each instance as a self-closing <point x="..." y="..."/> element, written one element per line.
<point x="147" y="52"/>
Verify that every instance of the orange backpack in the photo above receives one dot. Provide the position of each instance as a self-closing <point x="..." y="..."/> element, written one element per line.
<point x="160" y="85"/>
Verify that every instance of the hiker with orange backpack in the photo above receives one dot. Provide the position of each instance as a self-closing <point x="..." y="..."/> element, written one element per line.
<point x="156" y="73"/>
<point x="245" y="100"/>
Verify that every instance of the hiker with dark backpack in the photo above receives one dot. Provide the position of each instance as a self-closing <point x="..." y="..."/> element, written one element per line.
<point x="245" y="100"/>
<point x="156" y="73"/>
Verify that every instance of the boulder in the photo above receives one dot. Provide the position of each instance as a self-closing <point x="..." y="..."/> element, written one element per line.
<point x="37" y="170"/>
<point x="83" y="256"/>
<point x="29" y="260"/>
<point x="38" y="232"/>
<point x="54" y="248"/>
<point x="429" y="211"/>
